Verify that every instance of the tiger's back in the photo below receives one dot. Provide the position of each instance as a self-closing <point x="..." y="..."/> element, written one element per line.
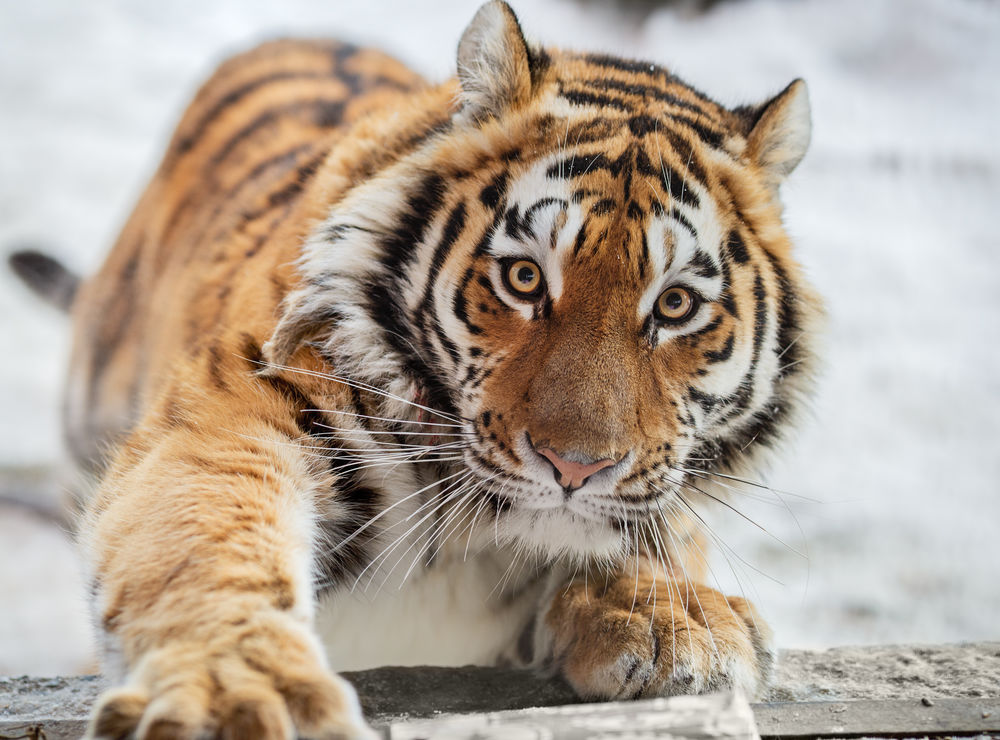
<point x="214" y="237"/>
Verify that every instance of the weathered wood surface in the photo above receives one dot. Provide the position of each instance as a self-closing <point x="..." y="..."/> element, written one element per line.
<point x="842" y="692"/>
<point x="690" y="717"/>
<point x="879" y="718"/>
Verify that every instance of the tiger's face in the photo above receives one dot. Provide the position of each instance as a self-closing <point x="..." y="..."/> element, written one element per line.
<point x="595" y="304"/>
<point x="585" y="263"/>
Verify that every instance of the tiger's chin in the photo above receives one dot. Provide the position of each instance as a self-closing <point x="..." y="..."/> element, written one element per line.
<point x="560" y="532"/>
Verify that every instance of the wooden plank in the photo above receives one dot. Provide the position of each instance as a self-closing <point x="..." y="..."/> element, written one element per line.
<point x="44" y="729"/>
<point x="784" y="721"/>
<point x="724" y="716"/>
<point x="896" y="718"/>
<point x="850" y="691"/>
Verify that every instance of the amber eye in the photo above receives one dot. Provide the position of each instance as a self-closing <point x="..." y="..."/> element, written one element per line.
<point x="523" y="278"/>
<point x="675" y="305"/>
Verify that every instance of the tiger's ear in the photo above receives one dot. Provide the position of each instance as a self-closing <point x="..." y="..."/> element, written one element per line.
<point x="494" y="63"/>
<point x="780" y="131"/>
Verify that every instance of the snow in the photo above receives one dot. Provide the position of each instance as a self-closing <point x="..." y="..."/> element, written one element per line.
<point x="895" y="476"/>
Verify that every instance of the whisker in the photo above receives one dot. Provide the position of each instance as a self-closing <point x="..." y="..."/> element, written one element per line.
<point x="790" y="345"/>
<point x="730" y="487"/>
<point x="737" y="512"/>
<point x="386" y="510"/>
<point x="725" y="549"/>
<point x="360" y="385"/>
<point x="378" y="433"/>
<point x="720" y="542"/>
<point x="755" y="484"/>
<point x="635" y="590"/>
<point x="438" y="527"/>
<point x="460" y="492"/>
<point x="684" y="599"/>
<point x="435" y="504"/>
<point x="388" y="419"/>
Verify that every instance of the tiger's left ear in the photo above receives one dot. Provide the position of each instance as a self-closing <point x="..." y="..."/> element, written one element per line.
<point x="494" y="63"/>
<point x="780" y="131"/>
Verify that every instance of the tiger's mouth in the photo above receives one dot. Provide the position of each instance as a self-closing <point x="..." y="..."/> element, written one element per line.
<point x="534" y="505"/>
<point x="583" y="527"/>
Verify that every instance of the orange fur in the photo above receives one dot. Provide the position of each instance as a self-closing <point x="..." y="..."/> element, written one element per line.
<point x="207" y="378"/>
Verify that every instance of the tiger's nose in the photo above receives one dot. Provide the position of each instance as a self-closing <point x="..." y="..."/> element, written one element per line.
<point x="571" y="475"/>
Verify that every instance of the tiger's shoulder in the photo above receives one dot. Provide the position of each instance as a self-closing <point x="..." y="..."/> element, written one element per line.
<point x="211" y="243"/>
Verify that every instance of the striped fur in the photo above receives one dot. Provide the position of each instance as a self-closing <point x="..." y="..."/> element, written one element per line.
<point x="300" y="377"/>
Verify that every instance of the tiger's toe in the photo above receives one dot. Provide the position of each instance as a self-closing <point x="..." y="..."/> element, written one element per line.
<point x="617" y="645"/>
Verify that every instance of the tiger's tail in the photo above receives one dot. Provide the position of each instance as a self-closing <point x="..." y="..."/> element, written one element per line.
<point x="46" y="276"/>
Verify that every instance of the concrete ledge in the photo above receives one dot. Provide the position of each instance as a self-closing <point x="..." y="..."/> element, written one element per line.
<point x="875" y="687"/>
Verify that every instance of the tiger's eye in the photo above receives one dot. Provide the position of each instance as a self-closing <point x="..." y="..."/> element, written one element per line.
<point x="523" y="277"/>
<point x="675" y="305"/>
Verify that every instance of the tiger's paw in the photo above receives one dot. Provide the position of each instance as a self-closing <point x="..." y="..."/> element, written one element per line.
<point x="265" y="684"/>
<point x="659" y="637"/>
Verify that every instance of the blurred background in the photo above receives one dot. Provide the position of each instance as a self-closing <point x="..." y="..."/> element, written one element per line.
<point x="884" y="522"/>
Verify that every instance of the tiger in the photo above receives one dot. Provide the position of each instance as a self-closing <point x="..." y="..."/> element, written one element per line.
<point x="381" y="371"/>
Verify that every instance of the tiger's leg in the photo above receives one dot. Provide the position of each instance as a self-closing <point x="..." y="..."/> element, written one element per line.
<point x="644" y="632"/>
<point x="202" y="547"/>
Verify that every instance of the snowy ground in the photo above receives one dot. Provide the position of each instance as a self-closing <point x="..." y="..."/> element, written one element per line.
<point x="893" y="211"/>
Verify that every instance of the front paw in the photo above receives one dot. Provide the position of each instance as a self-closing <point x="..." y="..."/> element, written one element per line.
<point x="646" y="636"/>
<point x="261" y="679"/>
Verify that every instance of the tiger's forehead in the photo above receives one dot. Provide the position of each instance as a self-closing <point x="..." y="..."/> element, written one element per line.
<point x="584" y="206"/>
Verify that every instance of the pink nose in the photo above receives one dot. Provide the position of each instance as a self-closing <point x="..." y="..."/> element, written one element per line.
<point x="571" y="475"/>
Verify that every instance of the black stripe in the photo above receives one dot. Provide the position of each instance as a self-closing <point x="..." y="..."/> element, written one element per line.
<point x="706" y="401"/>
<point x="312" y="105"/>
<point x="581" y="238"/>
<point x="188" y="140"/>
<point x="329" y="113"/>
<point x="789" y="346"/>
<point x="578" y="163"/>
<point x="712" y="138"/>
<point x="307" y="418"/>
<point x="685" y="153"/>
<point x="422" y="205"/>
<point x="723" y="354"/>
<point x="513" y="225"/>
<point x="740" y="400"/>
<point x="426" y="313"/>
<point x="726" y="300"/>
<point x="644" y="256"/>
<point x="215" y="368"/>
<point x="115" y="327"/>
<point x="581" y="97"/>
<point x="680" y="218"/>
<point x="603" y="207"/>
<point x="672" y="179"/>
<point x="529" y="215"/>
<point x="706" y="329"/>
<point x="283" y="195"/>
<point x="630" y="65"/>
<point x="596" y="128"/>
<point x="643" y="164"/>
<point x="646" y="92"/>
<point x="453" y="227"/>
<point x="336" y="562"/>
<point x="703" y="265"/>
<point x="736" y="248"/>
<point x="491" y="195"/>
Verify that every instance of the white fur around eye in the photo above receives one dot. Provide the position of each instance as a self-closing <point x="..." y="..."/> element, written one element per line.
<point x="553" y="229"/>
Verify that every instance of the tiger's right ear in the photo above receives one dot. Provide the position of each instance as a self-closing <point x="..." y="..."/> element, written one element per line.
<point x="494" y="63"/>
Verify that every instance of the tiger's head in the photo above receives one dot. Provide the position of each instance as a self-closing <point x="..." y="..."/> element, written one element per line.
<point x="581" y="258"/>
